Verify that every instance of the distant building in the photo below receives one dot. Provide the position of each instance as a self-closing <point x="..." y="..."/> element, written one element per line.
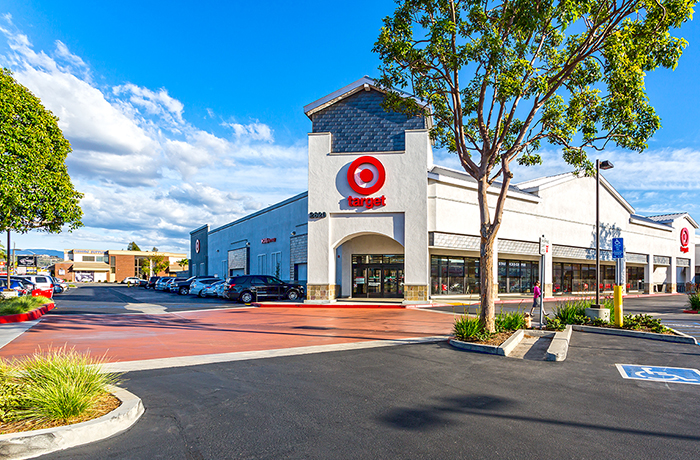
<point x="112" y="265"/>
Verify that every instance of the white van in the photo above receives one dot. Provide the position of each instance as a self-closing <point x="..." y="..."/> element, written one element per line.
<point x="43" y="282"/>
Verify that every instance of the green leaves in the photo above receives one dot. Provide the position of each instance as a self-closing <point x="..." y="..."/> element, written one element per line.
<point x="500" y="78"/>
<point x="35" y="188"/>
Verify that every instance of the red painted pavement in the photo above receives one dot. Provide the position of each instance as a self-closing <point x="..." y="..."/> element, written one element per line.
<point x="137" y="337"/>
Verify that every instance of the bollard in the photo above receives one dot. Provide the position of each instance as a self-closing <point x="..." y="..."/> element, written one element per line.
<point x="618" y="305"/>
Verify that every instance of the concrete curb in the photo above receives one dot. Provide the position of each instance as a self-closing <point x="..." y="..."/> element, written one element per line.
<point x="559" y="347"/>
<point x="680" y="338"/>
<point x="31" y="444"/>
<point x="29" y="316"/>
<point x="502" y="350"/>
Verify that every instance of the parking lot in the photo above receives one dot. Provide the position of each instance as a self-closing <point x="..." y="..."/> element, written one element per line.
<point x="224" y="380"/>
<point x="107" y="298"/>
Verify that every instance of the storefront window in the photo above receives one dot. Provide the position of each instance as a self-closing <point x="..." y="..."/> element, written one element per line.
<point x="581" y="277"/>
<point x="454" y="275"/>
<point x="517" y="276"/>
<point x="635" y="278"/>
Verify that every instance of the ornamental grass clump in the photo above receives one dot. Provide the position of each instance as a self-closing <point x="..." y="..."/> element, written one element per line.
<point x="510" y="321"/>
<point x="24" y="304"/>
<point x="469" y="329"/>
<point x="58" y="385"/>
<point x="571" y="312"/>
<point x="694" y="301"/>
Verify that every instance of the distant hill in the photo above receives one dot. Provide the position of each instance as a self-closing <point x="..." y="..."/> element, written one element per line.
<point x="49" y="252"/>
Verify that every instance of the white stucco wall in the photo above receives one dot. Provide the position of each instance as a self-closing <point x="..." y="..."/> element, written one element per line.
<point x="563" y="210"/>
<point x="403" y="218"/>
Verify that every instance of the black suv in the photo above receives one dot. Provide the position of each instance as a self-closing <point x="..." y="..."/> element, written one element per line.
<point x="183" y="287"/>
<point x="260" y="287"/>
<point x="151" y="284"/>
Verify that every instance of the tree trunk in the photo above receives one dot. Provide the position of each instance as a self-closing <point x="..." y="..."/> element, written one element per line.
<point x="486" y="259"/>
<point x="487" y="291"/>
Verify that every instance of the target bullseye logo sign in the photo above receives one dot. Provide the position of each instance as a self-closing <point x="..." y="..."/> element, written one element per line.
<point x="366" y="175"/>
<point x="685" y="239"/>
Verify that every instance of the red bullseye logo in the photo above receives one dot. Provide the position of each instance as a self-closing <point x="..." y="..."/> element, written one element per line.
<point x="685" y="237"/>
<point x="366" y="175"/>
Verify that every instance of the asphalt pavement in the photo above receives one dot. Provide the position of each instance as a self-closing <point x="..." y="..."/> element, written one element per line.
<point x="419" y="401"/>
<point x="107" y="298"/>
<point x="416" y="402"/>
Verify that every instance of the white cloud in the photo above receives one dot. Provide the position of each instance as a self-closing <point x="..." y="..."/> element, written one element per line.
<point x="155" y="103"/>
<point x="657" y="181"/>
<point x="149" y="175"/>
<point x="253" y="131"/>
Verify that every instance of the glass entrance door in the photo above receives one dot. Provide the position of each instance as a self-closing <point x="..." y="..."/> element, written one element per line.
<point x="374" y="282"/>
<point x="376" y="276"/>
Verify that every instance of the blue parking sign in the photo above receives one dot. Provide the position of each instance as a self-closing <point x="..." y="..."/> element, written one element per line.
<point x="618" y="248"/>
<point x="659" y="374"/>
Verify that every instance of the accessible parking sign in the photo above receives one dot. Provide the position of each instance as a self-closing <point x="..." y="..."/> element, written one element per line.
<point x="659" y="374"/>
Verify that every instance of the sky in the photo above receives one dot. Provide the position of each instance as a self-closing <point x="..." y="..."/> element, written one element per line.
<point x="183" y="114"/>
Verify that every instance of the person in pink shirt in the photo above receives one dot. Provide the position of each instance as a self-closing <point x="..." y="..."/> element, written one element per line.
<point x="537" y="299"/>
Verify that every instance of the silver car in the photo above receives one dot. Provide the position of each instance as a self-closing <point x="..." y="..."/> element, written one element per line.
<point x="214" y="289"/>
<point x="162" y="284"/>
<point x="199" y="284"/>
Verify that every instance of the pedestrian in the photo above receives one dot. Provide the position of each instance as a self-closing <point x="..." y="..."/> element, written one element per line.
<point x="537" y="299"/>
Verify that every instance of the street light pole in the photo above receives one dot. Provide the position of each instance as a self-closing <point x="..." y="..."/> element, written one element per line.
<point x="597" y="233"/>
<point x="598" y="166"/>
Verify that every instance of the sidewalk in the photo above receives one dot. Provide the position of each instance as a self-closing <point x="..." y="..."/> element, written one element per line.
<point x="168" y="335"/>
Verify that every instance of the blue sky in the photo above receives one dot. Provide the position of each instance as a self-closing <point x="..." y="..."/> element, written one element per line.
<point x="182" y="114"/>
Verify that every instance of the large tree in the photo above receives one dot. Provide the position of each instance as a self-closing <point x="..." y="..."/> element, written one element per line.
<point x="501" y="78"/>
<point x="35" y="189"/>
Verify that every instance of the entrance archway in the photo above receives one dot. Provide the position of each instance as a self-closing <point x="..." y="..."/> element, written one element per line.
<point x="371" y="266"/>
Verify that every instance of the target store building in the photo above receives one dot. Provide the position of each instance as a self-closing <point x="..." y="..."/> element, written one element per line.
<point x="381" y="220"/>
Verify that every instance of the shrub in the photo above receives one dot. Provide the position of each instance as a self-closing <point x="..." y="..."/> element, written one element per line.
<point x="56" y="385"/>
<point x="571" y="312"/>
<point x="510" y="321"/>
<point x="17" y="305"/>
<point x="694" y="301"/>
<point x="469" y="329"/>
<point x="642" y="321"/>
<point x="555" y="324"/>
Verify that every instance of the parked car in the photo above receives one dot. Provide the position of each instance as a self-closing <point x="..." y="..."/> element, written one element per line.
<point x="183" y="286"/>
<point x="151" y="283"/>
<point x="162" y="283"/>
<point x="173" y="285"/>
<point x="214" y="290"/>
<point x="247" y="288"/>
<point x="42" y="283"/>
<point x="21" y="288"/>
<point x="59" y="286"/>
<point x="199" y="284"/>
<point x="33" y="288"/>
<point x="131" y="280"/>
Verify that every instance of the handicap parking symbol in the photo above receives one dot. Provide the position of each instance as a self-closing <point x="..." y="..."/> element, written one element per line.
<point x="659" y="374"/>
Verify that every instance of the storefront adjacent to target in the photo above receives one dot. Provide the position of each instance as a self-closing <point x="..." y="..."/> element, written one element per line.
<point x="381" y="220"/>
